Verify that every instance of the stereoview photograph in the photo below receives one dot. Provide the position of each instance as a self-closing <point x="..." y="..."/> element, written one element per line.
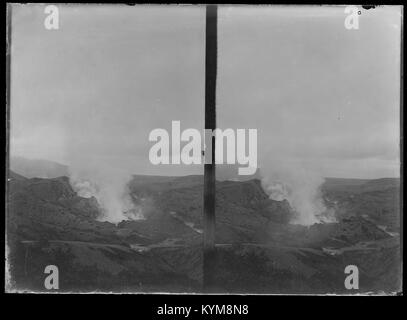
<point x="204" y="149"/>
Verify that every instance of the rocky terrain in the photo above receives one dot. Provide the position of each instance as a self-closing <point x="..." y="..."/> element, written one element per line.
<point x="48" y="223"/>
<point x="375" y="200"/>
<point x="258" y="250"/>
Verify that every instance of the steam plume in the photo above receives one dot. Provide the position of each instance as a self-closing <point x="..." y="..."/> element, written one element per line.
<point x="300" y="186"/>
<point x="108" y="184"/>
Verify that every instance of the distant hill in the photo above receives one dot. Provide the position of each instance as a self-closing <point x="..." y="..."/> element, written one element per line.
<point x="231" y="172"/>
<point x="15" y="176"/>
<point x="37" y="168"/>
<point x="341" y="184"/>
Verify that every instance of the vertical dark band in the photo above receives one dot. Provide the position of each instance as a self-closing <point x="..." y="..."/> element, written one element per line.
<point x="210" y="123"/>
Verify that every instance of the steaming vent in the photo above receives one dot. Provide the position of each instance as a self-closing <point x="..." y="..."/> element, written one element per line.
<point x="305" y="200"/>
<point x="114" y="200"/>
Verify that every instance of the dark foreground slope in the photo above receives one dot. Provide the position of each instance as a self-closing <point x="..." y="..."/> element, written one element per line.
<point x="49" y="224"/>
<point x="257" y="249"/>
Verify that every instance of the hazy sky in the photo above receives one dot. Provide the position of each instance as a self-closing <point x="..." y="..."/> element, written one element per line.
<point x="318" y="93"/>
